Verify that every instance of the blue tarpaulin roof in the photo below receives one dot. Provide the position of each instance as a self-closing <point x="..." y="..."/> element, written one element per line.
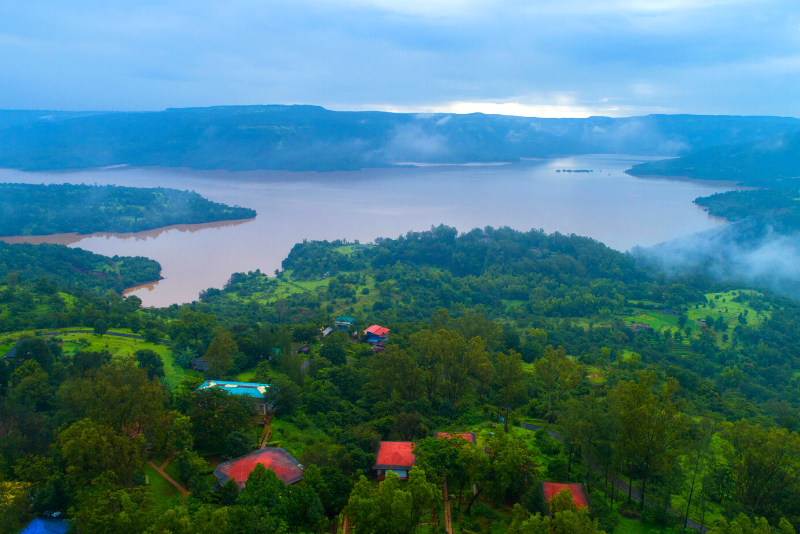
<point x="255" y="390"/>
<point x="42" y="525"/>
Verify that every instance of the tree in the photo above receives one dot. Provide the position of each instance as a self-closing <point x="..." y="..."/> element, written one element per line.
<point x="100" y="327"/>
<point x="124" y="398"/>
<point x="91" y="449"/>
<point x="32" y="385"/>
<point x="151" y="362"/>
<point x="105" y="507"/>
<point x="215" y="414"/>
<point x="283" y="395"/>
<point x="185" y="356"/>
<point x="332" y="486"/>
<point x="238" y="443"/>
<point x="36" y="348"/>
<point x="396" y="375"/>
<point x="651" y="426"/>
<point x="569" y="521"/>
<point x="334" y="353"/>
<point x="391" y="509"/>
<point x="557" y="374"/>
<point x="299" y="507"/>
<point x="744" y="524"/>
<point x="502" y="470"/>
<point x="765" y="463"/>
<point x="220" y="354"/>
<point x="510" y="379"/>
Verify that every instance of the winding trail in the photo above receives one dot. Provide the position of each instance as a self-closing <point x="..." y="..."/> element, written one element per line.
<point x="169" y="479"/>
<point x="448" y="520"/>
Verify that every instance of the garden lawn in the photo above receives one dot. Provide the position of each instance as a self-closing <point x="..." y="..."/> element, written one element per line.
<point x="126" y="347"/>
<point x="165" y="494"/>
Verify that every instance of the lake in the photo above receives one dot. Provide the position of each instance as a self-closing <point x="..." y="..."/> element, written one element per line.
<point x="619" y="210"/>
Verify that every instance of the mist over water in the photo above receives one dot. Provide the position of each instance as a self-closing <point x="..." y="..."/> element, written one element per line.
<point x="617" y="209"/>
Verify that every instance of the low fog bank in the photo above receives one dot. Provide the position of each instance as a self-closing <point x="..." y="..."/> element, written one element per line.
<point x="749" y="251"/>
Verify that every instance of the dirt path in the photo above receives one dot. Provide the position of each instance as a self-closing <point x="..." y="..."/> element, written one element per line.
<point x="448" y="520"/>
<point x="267" y="431"/>
<point x="169" y="479"/>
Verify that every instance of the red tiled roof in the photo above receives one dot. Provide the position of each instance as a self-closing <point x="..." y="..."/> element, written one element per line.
<point x="551" y="489"/>
<point x="377" y="330"/>
<point x="395" y="454"/>
<point x="278" y="460"/>
<point x="469" y="436"/>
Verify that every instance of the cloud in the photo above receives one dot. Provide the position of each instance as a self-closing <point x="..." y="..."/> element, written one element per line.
<point x="565" y="58"/>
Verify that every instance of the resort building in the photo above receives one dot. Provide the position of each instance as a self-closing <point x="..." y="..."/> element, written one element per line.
<point x="278" y="460"/>
<point x="395" y="456"/>
<point x="551" y="489"/>
<point x="258" y="392"/>
<point x="469" y="436"/>
<point x="376" y="333"/>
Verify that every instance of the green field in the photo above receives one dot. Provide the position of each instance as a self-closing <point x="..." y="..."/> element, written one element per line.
<point x="120" y="347"/>
<point x="166" y="495"/>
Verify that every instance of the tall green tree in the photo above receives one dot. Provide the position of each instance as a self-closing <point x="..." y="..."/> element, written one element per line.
<point x="392" y="508"/>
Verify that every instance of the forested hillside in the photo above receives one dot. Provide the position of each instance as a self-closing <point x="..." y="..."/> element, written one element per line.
<point x="75" y="267"/>
<point x="38" y="209"/>
<point x="765" y="163"/>
<point x="779" y="207"/>
<point x="670" y="398"/>
<point x="302" y="138"/>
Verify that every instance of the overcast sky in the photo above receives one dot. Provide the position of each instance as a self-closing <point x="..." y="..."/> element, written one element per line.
<point x="551" y="58"/>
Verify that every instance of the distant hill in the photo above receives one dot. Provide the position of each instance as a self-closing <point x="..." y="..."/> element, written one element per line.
<point x="38" y="209"/>
<point x="305" y="138"/>
<point x="773" y="162"/>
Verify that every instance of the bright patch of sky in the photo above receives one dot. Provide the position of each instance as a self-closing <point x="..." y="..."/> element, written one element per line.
<point x="547" y="58"/>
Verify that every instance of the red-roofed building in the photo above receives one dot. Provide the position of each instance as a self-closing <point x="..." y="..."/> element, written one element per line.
<point x="376" y="333"/>
<point x="551" y="489"/>
<point x="469" y="436"/>
<point x="278" y="460"/>
<point x="396" y="456"/>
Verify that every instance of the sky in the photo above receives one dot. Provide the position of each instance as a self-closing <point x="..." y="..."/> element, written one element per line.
<point x="546" y="58"/>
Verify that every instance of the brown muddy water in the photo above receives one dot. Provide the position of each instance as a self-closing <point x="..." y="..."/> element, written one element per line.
<point x="619" y="210"/>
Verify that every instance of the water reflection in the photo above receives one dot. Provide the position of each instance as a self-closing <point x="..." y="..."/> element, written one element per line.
<point x="71" y="239"/>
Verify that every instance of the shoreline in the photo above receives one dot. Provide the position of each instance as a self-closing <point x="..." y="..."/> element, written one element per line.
<point x="733" y="184"/>
<point x="71" y="238"/>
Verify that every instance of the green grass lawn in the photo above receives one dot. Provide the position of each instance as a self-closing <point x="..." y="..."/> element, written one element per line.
<point x="294" y="439"/>
<point x="165" y="494"/>
<point x="125" y="348"/>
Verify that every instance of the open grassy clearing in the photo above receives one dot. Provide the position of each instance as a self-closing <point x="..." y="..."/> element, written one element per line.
<point x="165" y="495"/>
<point x="121" y="347"/>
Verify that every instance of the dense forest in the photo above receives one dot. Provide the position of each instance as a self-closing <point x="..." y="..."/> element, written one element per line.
<point x="303" y="138"/>
<point x="780" y="207"/>
<point x="75" y="267"/>
<point x="764" y="163"/>
<point x="34" y="209"/>
<point x="675" y="400"/>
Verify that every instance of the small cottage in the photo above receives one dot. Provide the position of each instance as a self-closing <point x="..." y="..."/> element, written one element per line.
<point x="469" y="436"/>
<point x="579" y="496"/>
<point x="276" y="459"/>
<point x="376" y="333"/>
<point x="258" y="392"/>
<point x="395" y="456"/>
